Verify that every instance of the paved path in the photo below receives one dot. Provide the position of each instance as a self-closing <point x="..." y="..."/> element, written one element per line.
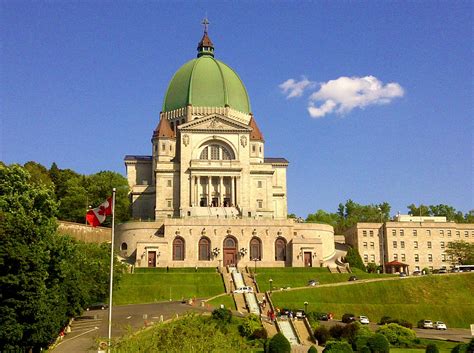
<point x="87" y="329"/>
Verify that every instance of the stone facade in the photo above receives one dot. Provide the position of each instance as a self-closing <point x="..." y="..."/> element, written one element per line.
<point x="419" y="242"/>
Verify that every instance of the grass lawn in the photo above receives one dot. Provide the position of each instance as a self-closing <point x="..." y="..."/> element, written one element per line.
<point x="156" y="286"/>
<point x="447" y="298"/>
<point x="299" y="276"/>
<point x="443" y="346"/>
<point x="226" y="300"/>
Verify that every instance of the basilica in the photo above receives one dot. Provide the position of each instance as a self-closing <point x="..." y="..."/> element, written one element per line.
<point x="207" y="196"/>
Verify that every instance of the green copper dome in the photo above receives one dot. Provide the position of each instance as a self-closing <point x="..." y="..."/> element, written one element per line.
<point x="206" y="82"/>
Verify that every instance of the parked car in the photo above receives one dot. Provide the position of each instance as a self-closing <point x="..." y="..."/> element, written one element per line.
<point x="364" y="320"/>
<point x="97" y="306"/>
<point x="353" y="278"/>
<point x="300" y="314"/>
<point x="403" y="274"/>
<point x="440" y="325"/>
<point x="416" y="273"/>
<point x="442" y="270"/>
<point x="348" y="318"/>
<point x="427" y="324"/>
<point x="245" y="289"/>
<point x="313" y="282"/>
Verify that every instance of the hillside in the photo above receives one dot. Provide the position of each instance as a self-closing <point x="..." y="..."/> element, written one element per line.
<point x="438" y="297"/>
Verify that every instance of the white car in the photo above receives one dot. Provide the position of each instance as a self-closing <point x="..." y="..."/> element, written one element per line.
<point x="364" y="320"/>
<point x="244" y="290"/>
<point x="440" y="325"/>
<point x="427" y="324"/>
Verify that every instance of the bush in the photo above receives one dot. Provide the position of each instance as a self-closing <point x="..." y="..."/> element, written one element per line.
<point x="397" y="335"/>
<point x="312" y="349"/>
<point x="432" y="348"/>
<point x="322" y="335"/>
<point x="347" y="318"/>
<point x="365" y="349"/>
<point x="249" y="325"/>
<point x="361" y="342"/>
<point x="222" y="315"/>
<point x="351" y="331"/>
<point x="460" y="348"/>
<point x="337" y="331"/>
<point x="259" y="333"/>
<point x="388" y="320"/>
<point x="279" y="344"/>
<point x="378" y="343"/>
<point x="338" y="347"/>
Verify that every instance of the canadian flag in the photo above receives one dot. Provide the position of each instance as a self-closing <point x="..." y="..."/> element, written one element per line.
<point x="97" y="216"/>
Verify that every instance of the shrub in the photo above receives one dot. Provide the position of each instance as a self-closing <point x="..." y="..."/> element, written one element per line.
<point x="397" y="335"/>
<point x="337" y="331"/>
<point x="279" y="344"/>
<point x="354" y="259"/>
<point x="259" y="333"/>
<point x="385" y="320"/>
<point x="312" y="349"/>
<point x="378" y="343"/>
<point x="321" y="334"/>
<point x="432" y="348"/>
<point x="222" y="315"/>
<point x="388" y="320"/>
<point x="347" y="318"/>
<point x="249" y="325"/>
<point x="365" y="349"/>
<point x="338" y="347"/>
<point x="361" y="342"/>
<point x="460" y="348"/>
<point x="351" y="331"/>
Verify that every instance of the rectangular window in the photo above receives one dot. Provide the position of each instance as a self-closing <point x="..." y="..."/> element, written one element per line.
<point x="260" y="203"/>
<point x="259" y="184"/>
<point x="394" y="244"/>
<point x="442" y="244"/>
<point x="458" y="233"/>
<point x="428" y="232"/>
<point x="417" y="258"/>
<point x="431" y="268"/>
<point x="466" y="233"/>
<point x="415" y="245"/>
<point x="168" y="183"/>
<point x="253" y="148"/>
<point x="371" y="233"/>
<point x="163" y="146"/>
<point x="394" y="233"/>
<point x="430" y="258"/>
<point x="415" y="232"/>
<point x="402" y="232"/>
<point x="372" y="258"/>
<point x="169" y="203"/>
<point x="402" y="244"/>
<point x="403" y="257"/>
<point x="364" y="233"/>
<point x="365" y="245"/>
<point x="366" y="258"/>
<point x="443" y="257"/>
<point x="429" y="245"/>
<point x="214" y="152"/>
<point x="372" y="245"/>
<point x="395" y="257"/>
<point x="449" y="233"/>
<point x="441" y="233"/>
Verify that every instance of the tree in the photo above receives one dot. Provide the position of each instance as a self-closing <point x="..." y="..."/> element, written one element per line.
<point x="249" y="325"/>
<point x="397" y="334"/>
<point x="312" y="349"/>
<point x="421" y="210"/>
<point x="461" y="252"/>
<point x="38" y="173"/>
<point x="323" y="217"/>
<point x="321" y="333"/>
<point x="354" y="259"/>
<point x="378" y="344"/>
<point x="372" y="267"/>
<point x="432" y="348"/>
<point x="338" y="347"/>
<point x="279" y="344"/>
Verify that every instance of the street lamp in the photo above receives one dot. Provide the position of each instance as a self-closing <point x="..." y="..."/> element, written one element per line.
<point x="306" y="307"/>
<point x="255" y="260"/>
<point x="382" y="241"/>
<point x="271" y="281"/>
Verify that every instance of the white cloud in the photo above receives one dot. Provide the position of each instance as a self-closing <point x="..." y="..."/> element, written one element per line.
<point x="295" y="88"/>
<point x="346" y="93"/>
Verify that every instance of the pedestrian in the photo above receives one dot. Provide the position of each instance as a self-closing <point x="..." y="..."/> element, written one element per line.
<point x="167" y="269"/>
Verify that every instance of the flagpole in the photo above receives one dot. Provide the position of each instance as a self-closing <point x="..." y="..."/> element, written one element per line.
<point x="111" y="266"/>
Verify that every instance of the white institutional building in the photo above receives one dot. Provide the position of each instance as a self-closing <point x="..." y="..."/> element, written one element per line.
<point x="207" y="195"/>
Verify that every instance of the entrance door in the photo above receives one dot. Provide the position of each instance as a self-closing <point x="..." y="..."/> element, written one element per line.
<point x="152" y="259"/>
<point x="308" y="259"/>
<point x="230" y="257"/>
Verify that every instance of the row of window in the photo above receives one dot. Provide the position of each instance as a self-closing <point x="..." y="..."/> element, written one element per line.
<point x="444" y="257"/>
<point x="401" y="233"/>
<point x="229" y="244"/>
<point x="415" y="245"/>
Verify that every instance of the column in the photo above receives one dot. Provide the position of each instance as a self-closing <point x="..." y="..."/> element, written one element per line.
<point x="232" y="198"/>
<point x="221" y="191"/>
<point x="237" y="191"/>
<point x="198" y="185"/>
<point x="209" y="179"/>
<point x="191" y="191"/>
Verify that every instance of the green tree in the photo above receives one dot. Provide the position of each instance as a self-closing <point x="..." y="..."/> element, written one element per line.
<point x="312" y="349"/>
<point x="372" y="267"/>
<point x="396" y="334"/>
<point x="421" y="210"/>
<point x="432" y="348"/>
<point x="321" y="333"/>
<point x="279" y="344"/>
<point x="378" y="343"/>
<point x="354" y="259"/>
<point x="338" y="347"/>
<point x="323" y="217"/>
<point x="38" y="173"/>
<point x="461" y="252"/>
<point x="249" y="325"/>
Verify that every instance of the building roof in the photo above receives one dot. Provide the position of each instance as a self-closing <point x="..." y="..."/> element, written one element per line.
<point x="395" y="263"/>
<point x="275" y="160"/>
<point x="256" y="134"/>
<point x="129" y="157"/>
<point x="206" y="82"/>
<point x="164" y="129"/>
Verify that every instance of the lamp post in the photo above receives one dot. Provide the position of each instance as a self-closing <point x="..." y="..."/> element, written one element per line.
<point x="255" y="260"/>
<point x="270" y="281"/>
<point x="305" y="307"/>
<point x="382" y="253"/>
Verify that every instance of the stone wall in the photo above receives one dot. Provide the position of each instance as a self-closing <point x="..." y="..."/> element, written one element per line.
<point x="84" y="232"/>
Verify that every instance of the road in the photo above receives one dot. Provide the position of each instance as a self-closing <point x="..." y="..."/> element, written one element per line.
<point x="88" y="329"/>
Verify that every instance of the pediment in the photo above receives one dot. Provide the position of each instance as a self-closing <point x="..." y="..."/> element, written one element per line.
<point x="215" y="122"/>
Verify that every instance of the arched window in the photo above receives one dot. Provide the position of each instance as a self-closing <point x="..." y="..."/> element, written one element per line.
<point x="229" y="243"/>
<point x="178" y="249"/>
<point x="216" y="152"/>
<point x="204" y="249"/>
<point x="255" y="249"/>
<point x="124" y="246"/>
<point x="280" y="249"/>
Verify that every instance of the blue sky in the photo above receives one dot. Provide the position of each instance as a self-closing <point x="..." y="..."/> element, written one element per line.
<point x="82" y="84"/>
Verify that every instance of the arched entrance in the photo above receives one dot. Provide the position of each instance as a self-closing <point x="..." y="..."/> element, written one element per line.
<point x="230" y="251"/>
